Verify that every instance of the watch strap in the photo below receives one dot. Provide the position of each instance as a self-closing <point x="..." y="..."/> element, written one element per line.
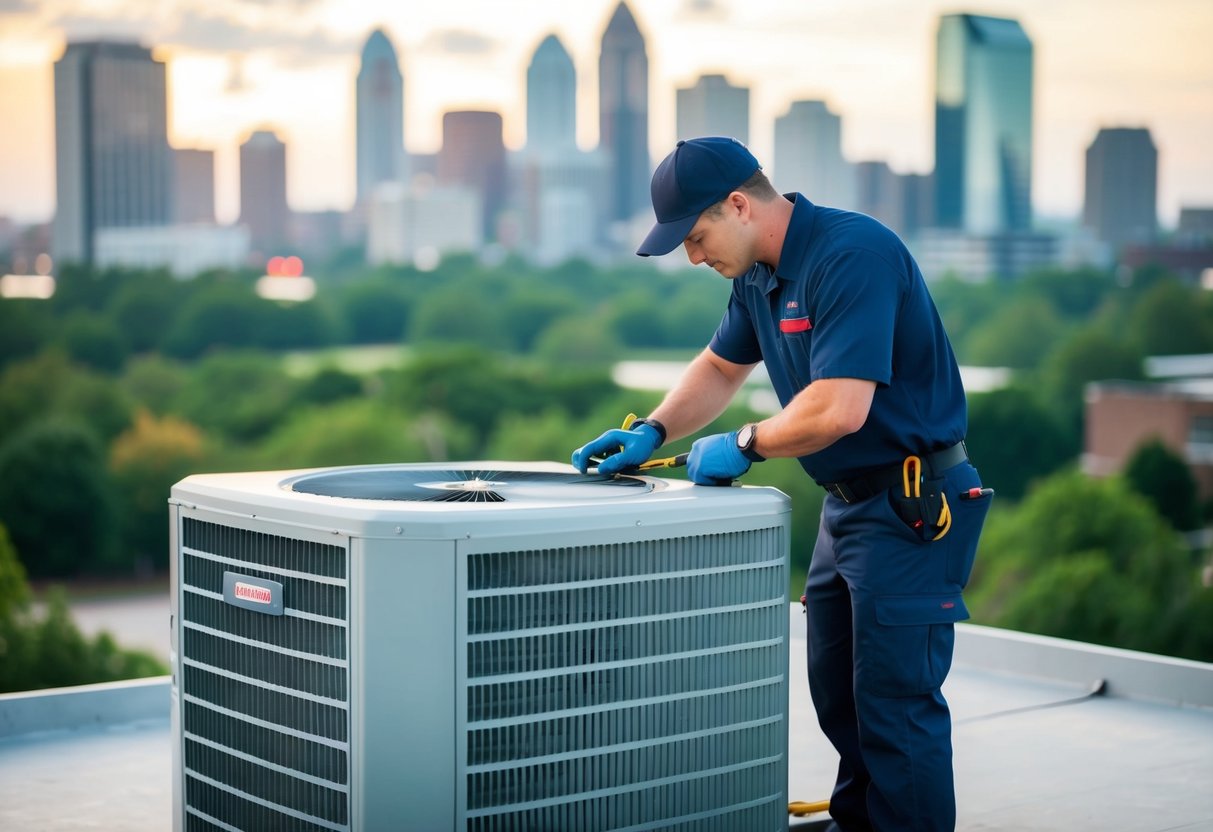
<point x="654" y="424"/>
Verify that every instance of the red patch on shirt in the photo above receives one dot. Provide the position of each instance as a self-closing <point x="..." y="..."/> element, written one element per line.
<point x="795" y="325"/>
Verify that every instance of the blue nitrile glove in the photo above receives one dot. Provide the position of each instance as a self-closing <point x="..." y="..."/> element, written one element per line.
<point x="716" y="460"/>
<point x="638" y="445"/>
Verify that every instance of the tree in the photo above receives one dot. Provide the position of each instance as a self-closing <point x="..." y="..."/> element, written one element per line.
<point x="239" y="395"/>
<point x="1091" y="560"/>
<point x="1019" y="335"/>
<point x="1090" y="354"/>
<point x="376" y="312"/>
<point x="218" y="315"/>
<point x="361" y="432"/>
<point x="1161" y="476"/>
<point x="56" y="498"/>
<point x="48" y="650"/>
<point x="145" y="462"/>
<point x="1014" y="440"/>
<point x="94" y="341"/>
<point x="1170" y="319"/>
<point x="48" y="385"/>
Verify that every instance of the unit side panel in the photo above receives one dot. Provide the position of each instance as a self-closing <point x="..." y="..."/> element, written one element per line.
<point x="404" y="648"/>
<point x="627" y="678"/>
<point x="263" y="711"/>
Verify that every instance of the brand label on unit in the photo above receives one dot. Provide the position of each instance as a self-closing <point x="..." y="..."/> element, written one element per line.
<point x="251" y="593"/>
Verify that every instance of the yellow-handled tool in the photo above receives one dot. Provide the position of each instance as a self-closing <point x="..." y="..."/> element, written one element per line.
<point x="668" y="462"/>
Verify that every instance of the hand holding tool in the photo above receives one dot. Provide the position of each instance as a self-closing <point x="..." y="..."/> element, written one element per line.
<point x="716" y="460"/>
<point x="619" y="449"/>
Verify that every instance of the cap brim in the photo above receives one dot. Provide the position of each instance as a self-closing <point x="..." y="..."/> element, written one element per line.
<point x="667" y="236"/>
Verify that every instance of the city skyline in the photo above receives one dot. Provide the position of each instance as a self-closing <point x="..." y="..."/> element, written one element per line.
<point x="237" y="66"/>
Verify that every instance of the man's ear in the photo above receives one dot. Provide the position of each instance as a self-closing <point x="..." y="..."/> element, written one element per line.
<point x="739" y="204"/>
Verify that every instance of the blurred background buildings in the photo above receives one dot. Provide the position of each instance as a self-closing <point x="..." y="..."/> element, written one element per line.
<point x="971" y="216"/>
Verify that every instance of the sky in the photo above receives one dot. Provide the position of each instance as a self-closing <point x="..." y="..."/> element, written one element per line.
<point x="289" y="65"/>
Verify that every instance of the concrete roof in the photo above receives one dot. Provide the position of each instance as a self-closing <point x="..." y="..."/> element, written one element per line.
<point x="1034" y="748"/>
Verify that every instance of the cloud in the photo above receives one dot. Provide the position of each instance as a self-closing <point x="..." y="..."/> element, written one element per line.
<point x="458" y="42"/>
<point x="712" y="9"/>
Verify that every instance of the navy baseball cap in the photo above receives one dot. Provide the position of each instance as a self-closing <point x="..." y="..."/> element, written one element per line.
<point x="696" y="175"/>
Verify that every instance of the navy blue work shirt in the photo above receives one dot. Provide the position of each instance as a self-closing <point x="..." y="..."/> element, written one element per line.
<point x="848" y="301"/>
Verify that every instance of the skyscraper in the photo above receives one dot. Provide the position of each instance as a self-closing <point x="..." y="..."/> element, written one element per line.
<point x="113" y="166"/>
<point x="623" y="114"/>
<point x="551" y="100"/>
<point x="713" y="107"/>
<point x="1121" y="194"/>
<point x="808" y="155"/>
<point x="473" y="154"/>
<point x="263" y="206"/>
<point x="379" y="102"/>
<point x="195" y="185"/>
<point x="983" y="124"/>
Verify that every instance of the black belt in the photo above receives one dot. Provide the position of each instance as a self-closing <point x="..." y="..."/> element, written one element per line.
<point x="882" y="479"/>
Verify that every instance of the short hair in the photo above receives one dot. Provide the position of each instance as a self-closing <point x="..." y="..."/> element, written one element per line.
<point x="757" y="186"/>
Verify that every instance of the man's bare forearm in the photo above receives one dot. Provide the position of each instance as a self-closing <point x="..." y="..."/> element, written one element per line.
<point x="702" y="393"/>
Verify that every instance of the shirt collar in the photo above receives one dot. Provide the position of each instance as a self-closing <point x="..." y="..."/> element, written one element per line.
<point x="795" y="246"/>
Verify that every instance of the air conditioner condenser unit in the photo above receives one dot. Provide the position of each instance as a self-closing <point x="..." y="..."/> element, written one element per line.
<point x="477" y="646"/>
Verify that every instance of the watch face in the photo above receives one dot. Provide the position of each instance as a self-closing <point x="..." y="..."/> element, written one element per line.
<point x="745" y="436"/>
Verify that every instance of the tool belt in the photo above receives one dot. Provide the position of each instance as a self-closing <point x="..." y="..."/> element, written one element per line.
<point x="882" y="479"/>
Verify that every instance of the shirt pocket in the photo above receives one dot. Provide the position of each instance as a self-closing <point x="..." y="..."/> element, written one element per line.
<point x="797" y="349"/>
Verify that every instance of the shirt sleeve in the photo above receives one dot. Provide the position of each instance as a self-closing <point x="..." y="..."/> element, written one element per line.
<point x="856" y="302"/>
<point x="735" y="339"/>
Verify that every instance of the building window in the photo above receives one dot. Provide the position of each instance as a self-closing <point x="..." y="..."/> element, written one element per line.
<point x="1200" y="440"/>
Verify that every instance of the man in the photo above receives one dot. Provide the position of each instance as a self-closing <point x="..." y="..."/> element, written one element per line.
<point x="873" y="408"/>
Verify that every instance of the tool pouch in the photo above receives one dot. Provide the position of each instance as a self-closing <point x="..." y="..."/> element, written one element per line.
<point x="925" y="514"/>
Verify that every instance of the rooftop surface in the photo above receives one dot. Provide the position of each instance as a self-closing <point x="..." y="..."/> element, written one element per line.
<point x="1034" y="748"/>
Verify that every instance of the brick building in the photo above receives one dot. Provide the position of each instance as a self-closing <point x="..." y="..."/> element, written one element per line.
<point x="1121" y="416"/>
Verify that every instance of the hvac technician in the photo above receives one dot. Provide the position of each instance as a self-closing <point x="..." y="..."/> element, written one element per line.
<point x="873" y="408"/>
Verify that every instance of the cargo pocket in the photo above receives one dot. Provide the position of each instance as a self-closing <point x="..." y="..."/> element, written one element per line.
<point x="910" y="647"/>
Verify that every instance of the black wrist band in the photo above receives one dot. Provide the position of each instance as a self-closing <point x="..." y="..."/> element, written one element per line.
<point x="655" y="425"/>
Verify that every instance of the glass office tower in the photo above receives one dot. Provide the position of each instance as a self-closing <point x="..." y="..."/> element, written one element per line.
<point x="551" y="100"/>
<point x="379" y="101"/>
<point x="983" y="125"/>
<point x="623" y="114"/>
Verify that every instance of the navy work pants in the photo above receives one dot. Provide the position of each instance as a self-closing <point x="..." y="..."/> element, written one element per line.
<point x="881" y="604"/>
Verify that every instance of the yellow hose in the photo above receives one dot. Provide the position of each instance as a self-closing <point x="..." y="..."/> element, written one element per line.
<point x="800" y="808"/>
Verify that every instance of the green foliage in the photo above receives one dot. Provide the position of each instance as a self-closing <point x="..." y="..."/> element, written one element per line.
<point x="47" y="650"/>
<point x="1089" y="560"/>
<point x="1090" y="354"/>
<point x="145" y="306"/>
<point x="1167" y="321"/>
<point x="25" y="326"/>
<point x="49" y="386"/>
<point x="360" y="432"/>
<point x="144" y="463"/>
<point x="1161" y="476"/>
<point x="1019" y="335"/>
<point x="1014" y="440"/>
<point x="94" y="342"/>
<point x="238" y="395"/>
<point x="55" y="497"/>
<point x="376" y="312"/>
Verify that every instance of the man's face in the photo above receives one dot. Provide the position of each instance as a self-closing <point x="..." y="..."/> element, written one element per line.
<point x="719" y="239"/>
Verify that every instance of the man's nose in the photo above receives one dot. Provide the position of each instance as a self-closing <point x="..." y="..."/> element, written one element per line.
<point x="694" y="253"/>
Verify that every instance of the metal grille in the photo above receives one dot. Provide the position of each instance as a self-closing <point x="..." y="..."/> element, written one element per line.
<point x="630" y="686"/>
<point x="266" y="698"/>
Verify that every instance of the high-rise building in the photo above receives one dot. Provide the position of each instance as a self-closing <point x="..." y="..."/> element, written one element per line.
<point x="808" y="155"/>
<point x="379" y="100"/>
<point x="195" y="185"/>
<point x="1121" y="193"/>
<point x="983" y="125"/>
<point x="263" y="206"/>
<point x="713" y="107"/>
<point x="473" y="155"/>
<point x="112" y="160"/>
<point x="623" y="115"/>
<point x="551" y="100"/>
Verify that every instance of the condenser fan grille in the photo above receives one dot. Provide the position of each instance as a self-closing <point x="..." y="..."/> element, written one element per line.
<point x="436" y="485"/>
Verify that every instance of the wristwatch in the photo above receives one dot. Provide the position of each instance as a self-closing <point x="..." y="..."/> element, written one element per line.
<point x="654" y="424"/>
<point x="746" y="437"/>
